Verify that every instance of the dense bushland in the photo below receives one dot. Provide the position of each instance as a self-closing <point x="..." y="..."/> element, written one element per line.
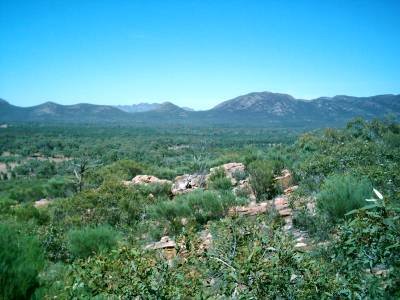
<point x="89" y="241"/>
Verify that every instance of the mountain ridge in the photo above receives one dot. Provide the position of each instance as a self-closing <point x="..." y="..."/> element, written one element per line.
<point x="264" y="108"/>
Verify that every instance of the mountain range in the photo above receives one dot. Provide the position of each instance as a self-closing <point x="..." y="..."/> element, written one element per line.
<point x="143" y="107"/>
<point x="258" y="109"/>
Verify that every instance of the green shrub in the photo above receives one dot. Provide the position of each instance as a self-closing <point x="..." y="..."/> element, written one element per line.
<point x="90" y="240"/>
<point x="317" y="226"/>
<point x="21" y="260"/>
<point x="240" y="175"/>
<point x="120" y="170"/>
<point x="54" y="243"/>
<point x="157" y="190"/>
<point x="200" y="206"/>
<point x="130" y="273"/>
<point x="342" y="193"/>
<point x="26" y="212"/>
<point x="262" y="179"/>
<point x="219" y="181"/>
<point x="59" y="186"/>
<point x="6" y="205"/>
<point x="223" y="184"/>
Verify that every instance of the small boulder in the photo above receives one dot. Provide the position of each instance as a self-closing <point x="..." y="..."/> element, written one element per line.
<point x="290" y="189"/>
<point x="41" y="203"/>
<point x="249" y="210"/>
<point x="187" y="183"/>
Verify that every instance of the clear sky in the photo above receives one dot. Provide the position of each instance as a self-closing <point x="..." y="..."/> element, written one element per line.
<point x="195" y="53"/>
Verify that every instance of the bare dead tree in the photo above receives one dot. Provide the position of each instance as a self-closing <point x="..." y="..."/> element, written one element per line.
<point x="80" y="169"/>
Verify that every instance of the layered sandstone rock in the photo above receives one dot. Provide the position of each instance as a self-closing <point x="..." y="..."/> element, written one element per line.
<point x="146" y="179"/>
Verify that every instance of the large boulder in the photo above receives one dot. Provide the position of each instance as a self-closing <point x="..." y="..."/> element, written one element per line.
<point x="146" y="179"/>
<point x="187" y="183"/>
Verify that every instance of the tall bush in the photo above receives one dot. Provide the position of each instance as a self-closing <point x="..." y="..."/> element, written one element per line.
<point x="262" y="179"/>
<point x="21" y="260"/>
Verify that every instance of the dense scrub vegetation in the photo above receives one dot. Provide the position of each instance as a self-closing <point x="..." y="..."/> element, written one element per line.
<point x="89" y="239"/>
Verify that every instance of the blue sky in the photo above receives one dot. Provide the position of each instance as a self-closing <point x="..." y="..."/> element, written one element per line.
<point x="195" y="53"/>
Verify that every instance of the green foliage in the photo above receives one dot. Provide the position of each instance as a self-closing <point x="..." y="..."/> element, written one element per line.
<point x="6" y="206"/>
<point x="250" y="257"/>
<point x="54" y="242"/>
<point x="262" y="179"/>
<point x="91" y="240"/>
<point x="119" y="170"/>
<point x="129" y="274"/>
<point x="219" y="181"/>
<point x="317" y="226"/>
<point x="367" y="244"/>
<point x="112" y="203"/>
<point x="26" y="212"/>
<point x="199" y="206"/>
<point x="341" y="194"/>
<point x="21" y="260"/>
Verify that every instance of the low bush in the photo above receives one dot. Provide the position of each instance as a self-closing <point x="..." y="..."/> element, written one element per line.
<point x="91" y="240"/>
<point x="317" y="226"/>
<point x="21" y="260"/>
<point x="219" y="181"/>
<point x="342" y="193"/>
<point x="26" y="212"/>
<point x="200" y="206"/>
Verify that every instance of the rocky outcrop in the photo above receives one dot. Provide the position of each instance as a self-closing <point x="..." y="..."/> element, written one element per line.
<point x="231" y="170"/>
<point x="146" y="179"/>
<point x="187" y="183"/>
<point x="281" y="206"/>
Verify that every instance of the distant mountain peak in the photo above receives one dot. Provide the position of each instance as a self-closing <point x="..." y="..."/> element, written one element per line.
<point x="147" y="107"/>
<point x="169" y="107"/>
<point x="274" y="103"/>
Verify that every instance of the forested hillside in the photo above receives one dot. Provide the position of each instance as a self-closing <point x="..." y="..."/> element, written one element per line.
<point x="123" y="212"/>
